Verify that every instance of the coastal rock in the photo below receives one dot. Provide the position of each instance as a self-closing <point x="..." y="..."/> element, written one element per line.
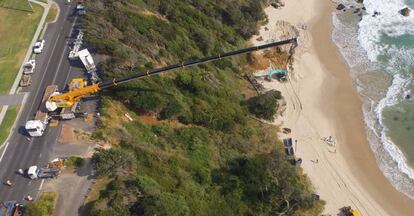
<point x="405" y="11"/>
<point x="340" y="7"/>
<point x="260" y="38"/>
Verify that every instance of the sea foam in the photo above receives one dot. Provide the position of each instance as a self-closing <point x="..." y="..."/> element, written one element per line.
<point x="370" y="53"/>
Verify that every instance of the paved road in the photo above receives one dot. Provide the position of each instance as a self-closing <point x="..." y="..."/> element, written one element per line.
<point x="52" y="68"/>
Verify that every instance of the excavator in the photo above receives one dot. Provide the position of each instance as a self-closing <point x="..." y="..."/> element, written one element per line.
<point x="53" y="100"/>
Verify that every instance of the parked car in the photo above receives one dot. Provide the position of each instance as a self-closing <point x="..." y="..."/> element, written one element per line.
<point x="29" y="67"/>
<point x="38" y="47"/>
<point x="26" y="80"/>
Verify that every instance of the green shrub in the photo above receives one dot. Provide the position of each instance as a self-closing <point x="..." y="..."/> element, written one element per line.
<point x="111" y="161"/>
<point x="74" y="161"/>
<point x="264" y="105"/>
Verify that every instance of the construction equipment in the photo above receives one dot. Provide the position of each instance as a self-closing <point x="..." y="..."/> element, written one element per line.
<point x="37" y="126"/>
<point x="52" y="170"/>
<point x="348" y="211"/>
<point x="68" y="99"/>
<point x="54" y="100"/>
<point x="35" y="172"/>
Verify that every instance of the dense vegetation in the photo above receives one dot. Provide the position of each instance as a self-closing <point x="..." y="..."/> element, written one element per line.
<point x="192" y="147"/>
<point x="265" y="105"/>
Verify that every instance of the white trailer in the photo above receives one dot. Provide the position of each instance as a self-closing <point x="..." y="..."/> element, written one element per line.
<point x="86" y="59"/>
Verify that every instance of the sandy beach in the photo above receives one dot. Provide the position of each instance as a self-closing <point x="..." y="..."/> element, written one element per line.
<point x="322" y="101"/>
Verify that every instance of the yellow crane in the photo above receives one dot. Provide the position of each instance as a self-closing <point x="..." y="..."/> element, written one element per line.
<point x="78" y="88"/>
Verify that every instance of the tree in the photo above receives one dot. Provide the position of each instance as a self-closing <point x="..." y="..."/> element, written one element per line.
<point x="111" y="161"/>
<point x="164" y="204"/>
<point x="264" y="105"/>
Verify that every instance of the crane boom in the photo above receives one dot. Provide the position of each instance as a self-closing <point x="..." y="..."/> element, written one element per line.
<point x="69" y="98"/>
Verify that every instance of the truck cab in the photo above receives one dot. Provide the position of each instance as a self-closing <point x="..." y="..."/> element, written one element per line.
<point x="33" y="172"/>
<point x="35" y="128"/>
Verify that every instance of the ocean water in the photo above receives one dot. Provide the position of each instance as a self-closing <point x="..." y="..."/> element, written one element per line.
<point x="380" y="52"/>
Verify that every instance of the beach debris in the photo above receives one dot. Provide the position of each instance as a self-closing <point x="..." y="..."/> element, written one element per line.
<point x="128" y="117"/>
<point x="256" y="85"/>
<point x="266" y="28"/>
<point x="286" y="130"/>
<point x="405" y="11"/>
<point x="260" y="38"/>
<point x="329" y="140"/>
<point x="340" y="7"/>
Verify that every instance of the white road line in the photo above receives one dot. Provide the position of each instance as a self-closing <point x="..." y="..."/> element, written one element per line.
<point x="41" y="184"/>
<point x="5" y="148"/>
<point x="44" y="73"/>
<point x="64" y="53"/>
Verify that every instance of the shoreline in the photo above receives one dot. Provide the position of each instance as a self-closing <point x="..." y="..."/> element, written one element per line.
<point x="348" y="174"/>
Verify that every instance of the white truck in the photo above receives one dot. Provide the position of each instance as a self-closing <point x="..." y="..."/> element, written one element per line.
<point x="35" y="172"/>
<point x="38" y="46"/>
<point x="37" y="126"/>
<point x="29" y="67"/>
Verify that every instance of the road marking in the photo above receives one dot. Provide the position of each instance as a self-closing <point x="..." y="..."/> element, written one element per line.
<point x="43" y="77"/>
<point x="41" y="184"/>
<point x="5" y="148"/>
<point x="64" y="52"/>
<point x="40" y="155"/>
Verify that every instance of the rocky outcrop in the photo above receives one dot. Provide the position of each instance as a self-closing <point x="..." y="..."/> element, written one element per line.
<point x="405" y="11"/>
<point x="340" y="7"/>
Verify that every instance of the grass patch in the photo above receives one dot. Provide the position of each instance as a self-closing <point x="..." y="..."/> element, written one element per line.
<point x="22" y="5"/>
<point x="8" y="122"/>
<point x="74" y="161"/>
<point x="51" y="16"/>
<point x="16" y="32"/>
<point x="44" y="206"/>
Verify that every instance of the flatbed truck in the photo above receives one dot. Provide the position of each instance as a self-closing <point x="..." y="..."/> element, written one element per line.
<point x="37" y="126"/>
